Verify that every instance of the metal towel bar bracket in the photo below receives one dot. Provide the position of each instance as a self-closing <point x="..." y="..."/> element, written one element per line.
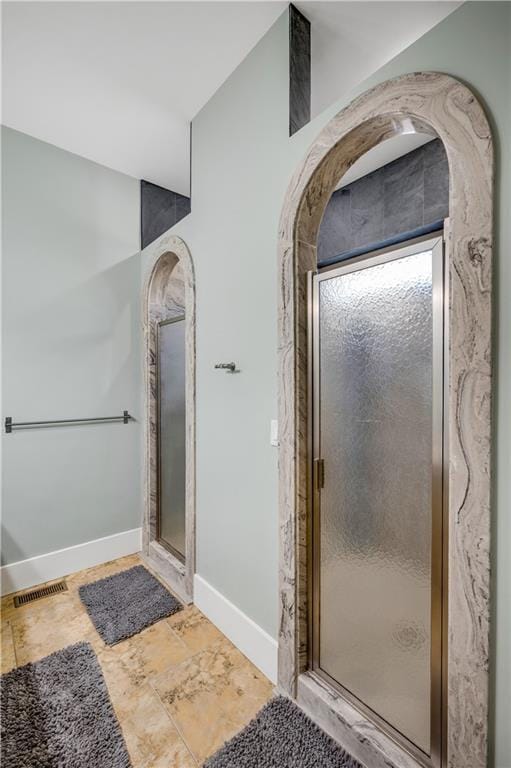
<point x="228" y="367"/>
<point x="10" y="424"/>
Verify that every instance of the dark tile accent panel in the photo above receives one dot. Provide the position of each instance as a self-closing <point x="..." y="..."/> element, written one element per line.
<point x="408" y="193"/>
<point x="160" y="209"/>
<point x="436" y="181"/>
<point x="335" y="232"/>
<point x="434" y="152"/>
<point x="367" y="197"/>
<point x="299" y="70"/>
<point x="183" y="206"/>
<point x="403" y="194"/>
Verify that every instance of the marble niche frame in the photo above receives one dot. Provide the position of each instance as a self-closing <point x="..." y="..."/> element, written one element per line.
<point x="169" y="290"/>
<point x="439" y="104"/>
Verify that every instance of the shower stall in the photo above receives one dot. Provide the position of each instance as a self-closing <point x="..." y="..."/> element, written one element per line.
<point x="168" y="533"/>
<point x="384" y="499"/>
<point x="376" y="352"/>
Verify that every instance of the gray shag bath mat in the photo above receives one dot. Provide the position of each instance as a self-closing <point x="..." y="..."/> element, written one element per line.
<point x="124" y="604"/>
<point x="281" y="736"/>
<point x="56" y="713"/>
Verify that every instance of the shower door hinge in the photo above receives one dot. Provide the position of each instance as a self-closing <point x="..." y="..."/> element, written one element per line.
<point x="319" y="473"/>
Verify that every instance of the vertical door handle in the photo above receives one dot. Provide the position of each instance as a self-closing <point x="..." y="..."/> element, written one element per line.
<point x="319" y="473"/>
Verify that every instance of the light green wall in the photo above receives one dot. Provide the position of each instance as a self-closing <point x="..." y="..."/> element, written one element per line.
<point x="71" y="347"/>
<point x="242" y="162"/>
<point x="240" y="169"/>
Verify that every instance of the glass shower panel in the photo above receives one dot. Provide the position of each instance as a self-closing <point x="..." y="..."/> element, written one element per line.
<point x="375" y="437"/>
<point x="172" y="434"/>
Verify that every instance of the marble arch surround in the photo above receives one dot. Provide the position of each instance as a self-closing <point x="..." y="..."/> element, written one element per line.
<point x="431" y="102"/>
<point x="169" y="289"/>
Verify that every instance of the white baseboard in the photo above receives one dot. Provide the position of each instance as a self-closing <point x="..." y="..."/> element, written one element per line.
<point x="256" y="644"/>
<point x="54" y="565"/>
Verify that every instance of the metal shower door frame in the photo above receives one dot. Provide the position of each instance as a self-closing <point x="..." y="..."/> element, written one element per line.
<point x="439" y="560"/>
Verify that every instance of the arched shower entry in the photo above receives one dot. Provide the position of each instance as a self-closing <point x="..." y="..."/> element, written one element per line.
<point x="439" y="105"/>
<point x="169" y="387"/>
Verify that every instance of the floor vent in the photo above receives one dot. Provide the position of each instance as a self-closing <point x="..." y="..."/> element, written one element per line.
<point x="36" y="594"/>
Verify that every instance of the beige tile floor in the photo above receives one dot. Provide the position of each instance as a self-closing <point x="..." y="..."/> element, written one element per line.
<point x="179" y="688"/>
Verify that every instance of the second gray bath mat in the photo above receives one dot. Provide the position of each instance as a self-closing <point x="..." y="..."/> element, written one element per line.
<point x="124" y="604"/>
<point x="56" y="713"/>
<point x="281" y="735"/>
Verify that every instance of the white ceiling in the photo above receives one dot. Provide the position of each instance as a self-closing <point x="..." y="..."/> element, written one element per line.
<point x="351" y="40"/>
<point x="119" y="82"/>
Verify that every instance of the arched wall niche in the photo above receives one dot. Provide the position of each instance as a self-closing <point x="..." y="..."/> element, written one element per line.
<point x="169" y="291"/>
<point x="441" y="105"/>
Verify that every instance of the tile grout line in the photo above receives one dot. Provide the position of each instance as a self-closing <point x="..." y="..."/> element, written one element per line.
<point x="175" y="634"/>
<point x="174" y="723"/>
<point x="14" y="644"/>
<point x="9" y="624"/>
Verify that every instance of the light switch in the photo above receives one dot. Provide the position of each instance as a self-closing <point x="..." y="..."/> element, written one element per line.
<point x="274" y="432"/>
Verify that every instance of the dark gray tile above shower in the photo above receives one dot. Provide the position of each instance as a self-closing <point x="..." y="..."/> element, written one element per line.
<point x="403" y="194"/>
<point x="335" y="232"/>
<point x="410" y="192"/>
<point x="436" y="191"/>
<point x="160" y="209"/>
<point x="434" y="152"/>
<point x="367" y="209"/>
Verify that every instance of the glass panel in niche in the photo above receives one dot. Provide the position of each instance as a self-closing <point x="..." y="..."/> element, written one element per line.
<point x="375" y="413"/>
<point x="172" y="434"/>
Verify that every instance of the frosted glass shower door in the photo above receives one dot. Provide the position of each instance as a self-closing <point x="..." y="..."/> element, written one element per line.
<point x="377" y="518"/>
<point x="171" y="435"/>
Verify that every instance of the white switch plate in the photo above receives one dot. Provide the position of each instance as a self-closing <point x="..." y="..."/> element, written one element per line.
<point x="274" y="432"/>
